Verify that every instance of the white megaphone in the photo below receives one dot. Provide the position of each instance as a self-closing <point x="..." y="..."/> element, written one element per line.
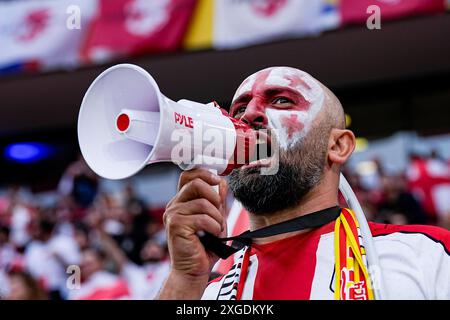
<point x="125" y="123"/>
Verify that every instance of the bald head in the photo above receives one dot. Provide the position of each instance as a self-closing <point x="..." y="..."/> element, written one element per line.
<point x="334" y="112"/>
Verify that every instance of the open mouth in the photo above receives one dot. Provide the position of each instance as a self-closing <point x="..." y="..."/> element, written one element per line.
<point x="264" y="154"/>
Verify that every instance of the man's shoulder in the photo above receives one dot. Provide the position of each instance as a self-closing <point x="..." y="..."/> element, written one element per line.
<point x="412" y="234"/>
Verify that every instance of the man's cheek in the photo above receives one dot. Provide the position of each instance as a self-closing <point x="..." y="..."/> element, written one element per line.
<point x="290" y="126"/>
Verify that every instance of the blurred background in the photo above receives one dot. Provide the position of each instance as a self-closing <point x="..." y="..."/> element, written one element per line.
<point x="386" y="60"/>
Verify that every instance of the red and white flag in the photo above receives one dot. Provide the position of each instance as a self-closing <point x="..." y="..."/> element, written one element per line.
<point x="355" y="11"/>
<point x="429" y="181"/>
<point x="247" y="22"/>
<point x="44" y="33"/>
<point x="129" y="27"/>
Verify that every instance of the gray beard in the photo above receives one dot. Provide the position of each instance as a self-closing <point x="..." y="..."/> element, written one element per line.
<point x="300" y="170"/>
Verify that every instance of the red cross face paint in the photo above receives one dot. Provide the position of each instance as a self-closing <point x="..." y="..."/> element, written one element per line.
<point x="289" y="98"/>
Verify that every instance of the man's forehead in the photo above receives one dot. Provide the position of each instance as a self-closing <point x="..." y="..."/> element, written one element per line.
<point x="277" y="76"/>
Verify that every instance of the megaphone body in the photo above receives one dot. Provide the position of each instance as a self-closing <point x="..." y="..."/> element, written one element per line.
<point x="126" y="123"/>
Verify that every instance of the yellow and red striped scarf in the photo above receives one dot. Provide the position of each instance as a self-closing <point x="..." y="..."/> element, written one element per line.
<point x="352" y="280"/>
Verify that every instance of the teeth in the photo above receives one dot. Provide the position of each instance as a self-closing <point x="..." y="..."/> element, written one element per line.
<point x="261" y="162"/>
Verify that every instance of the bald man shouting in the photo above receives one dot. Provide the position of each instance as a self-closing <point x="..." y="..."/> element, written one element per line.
<point x="311" y="248"/>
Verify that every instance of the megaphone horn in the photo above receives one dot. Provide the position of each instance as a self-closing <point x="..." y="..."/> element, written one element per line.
<point x="125" y="123"/>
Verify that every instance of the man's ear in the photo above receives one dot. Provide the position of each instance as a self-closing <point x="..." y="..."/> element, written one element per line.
<point x="340" y="146"/>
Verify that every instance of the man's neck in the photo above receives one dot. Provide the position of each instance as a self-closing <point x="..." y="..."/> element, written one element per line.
<point x="317" y="199"/>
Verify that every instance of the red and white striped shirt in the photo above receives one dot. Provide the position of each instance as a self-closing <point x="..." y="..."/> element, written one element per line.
<point x="414" y="263"/>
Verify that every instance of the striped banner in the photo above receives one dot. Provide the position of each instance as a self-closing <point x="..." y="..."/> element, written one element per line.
<point x="239" y="23"/>
<point x="36" y="35"/>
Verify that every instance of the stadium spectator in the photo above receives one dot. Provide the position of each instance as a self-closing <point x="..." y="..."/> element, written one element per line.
<point x="96" y="282"/>
<point x="48" y="255"/>
<point x="144" y="279"/>
<point x="22" y="286"/>
<point x="399" y="206"/>
<point x="79" y="186"/>
<point x="18" y="216"/>
<point x="283" y="258"/>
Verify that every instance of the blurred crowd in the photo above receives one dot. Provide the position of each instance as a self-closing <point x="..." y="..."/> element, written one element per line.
<point x="418" y="195"/>
<point x="94" y="245"/>
<point x="90" y="245"/>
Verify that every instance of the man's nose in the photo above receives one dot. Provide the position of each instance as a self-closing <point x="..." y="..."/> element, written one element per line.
<point x="255" y="115"/>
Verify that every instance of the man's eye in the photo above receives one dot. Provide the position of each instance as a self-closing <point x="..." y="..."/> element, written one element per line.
<point x="281" y="100"/>
<point x="239" y="111"/>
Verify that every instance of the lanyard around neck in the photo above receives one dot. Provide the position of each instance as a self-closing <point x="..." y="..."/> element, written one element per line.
<point x="308" y="221"/>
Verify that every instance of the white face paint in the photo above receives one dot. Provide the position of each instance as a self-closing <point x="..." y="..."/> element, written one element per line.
<point x="292" y="124"/>
<point x="246" y="86"/>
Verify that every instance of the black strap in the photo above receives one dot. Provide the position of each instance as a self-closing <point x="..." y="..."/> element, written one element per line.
<point x="312" y="220"/>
